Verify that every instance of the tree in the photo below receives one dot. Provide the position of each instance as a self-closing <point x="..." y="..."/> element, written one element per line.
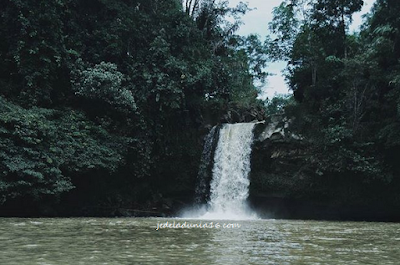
<point x="103" y="83"/>
<point x="42" y="148"/>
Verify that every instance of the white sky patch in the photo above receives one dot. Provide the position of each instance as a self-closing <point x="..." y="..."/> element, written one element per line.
<point x="256" y="22"/>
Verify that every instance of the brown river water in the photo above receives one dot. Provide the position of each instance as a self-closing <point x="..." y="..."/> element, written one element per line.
<point x="137" y="241"/>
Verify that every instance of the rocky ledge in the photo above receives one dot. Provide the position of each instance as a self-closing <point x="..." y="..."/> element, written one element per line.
<point x="284" y="185"/>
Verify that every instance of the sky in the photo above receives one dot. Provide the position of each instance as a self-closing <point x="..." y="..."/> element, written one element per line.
<point x="256" y="22"/>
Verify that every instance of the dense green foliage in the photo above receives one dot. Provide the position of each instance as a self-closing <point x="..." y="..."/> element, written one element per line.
<point x="346" y="88"/>
<point x="102" y="103"/>
<point x="40" y="148"/>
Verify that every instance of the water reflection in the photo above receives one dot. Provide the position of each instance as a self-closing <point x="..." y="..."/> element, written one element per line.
<point x="136" y="241"/>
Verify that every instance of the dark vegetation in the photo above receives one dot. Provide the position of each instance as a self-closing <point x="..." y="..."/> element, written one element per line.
<point x="104" y="104"/>
<point x="346" y="106"/>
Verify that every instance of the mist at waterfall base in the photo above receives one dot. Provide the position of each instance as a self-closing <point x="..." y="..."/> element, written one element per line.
<point x="229" y="185"/>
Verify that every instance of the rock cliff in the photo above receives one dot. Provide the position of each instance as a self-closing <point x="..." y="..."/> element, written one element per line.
<point x="285" y="184"/>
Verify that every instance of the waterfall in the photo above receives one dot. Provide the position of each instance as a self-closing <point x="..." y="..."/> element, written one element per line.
<point x="229" y="187"/>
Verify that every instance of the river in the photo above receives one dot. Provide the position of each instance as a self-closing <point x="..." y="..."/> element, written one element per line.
<point x="136" y="241"/>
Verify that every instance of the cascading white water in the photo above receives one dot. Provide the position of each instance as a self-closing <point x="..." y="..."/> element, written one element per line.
<point x="230" y="184"/>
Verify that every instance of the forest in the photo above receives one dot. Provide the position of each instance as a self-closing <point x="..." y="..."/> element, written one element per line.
<point x="104" y="104"/>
